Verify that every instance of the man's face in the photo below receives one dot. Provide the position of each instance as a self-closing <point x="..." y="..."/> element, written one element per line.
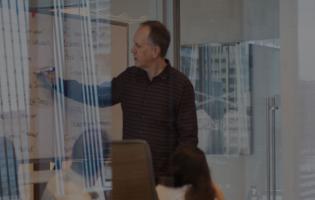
<point x="144" y="51"/>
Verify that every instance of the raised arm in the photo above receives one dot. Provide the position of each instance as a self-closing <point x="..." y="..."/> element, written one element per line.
<point x="105" y="94"/>
<point x="95" y="95"/>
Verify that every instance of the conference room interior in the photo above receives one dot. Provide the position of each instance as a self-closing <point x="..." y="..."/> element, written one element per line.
<point x="250" y="63"/>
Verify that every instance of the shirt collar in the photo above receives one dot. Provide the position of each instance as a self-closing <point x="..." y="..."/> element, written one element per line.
<point x="166" y="71"/>
<point x="163" y="75"/>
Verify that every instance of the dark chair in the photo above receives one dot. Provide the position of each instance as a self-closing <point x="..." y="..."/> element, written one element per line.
<point x="133" y="176"/>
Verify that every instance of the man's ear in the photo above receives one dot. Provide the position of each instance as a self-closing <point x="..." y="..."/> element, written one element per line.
<point x="156" y="51"/>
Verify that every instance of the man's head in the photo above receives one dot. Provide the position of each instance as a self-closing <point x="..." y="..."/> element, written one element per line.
<point x="151" y="42"/>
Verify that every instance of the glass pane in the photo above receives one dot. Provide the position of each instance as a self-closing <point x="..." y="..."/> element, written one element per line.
<point x="220" y="74"/>
<point x="48" y="142"/>
<point x="39" y="126"/>
<point x="230" y="52"/>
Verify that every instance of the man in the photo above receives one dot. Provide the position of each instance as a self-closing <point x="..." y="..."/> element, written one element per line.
<point x="157" y="100"/>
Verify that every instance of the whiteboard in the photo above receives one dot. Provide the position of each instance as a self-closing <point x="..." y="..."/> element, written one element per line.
<point x="52" y="127"/>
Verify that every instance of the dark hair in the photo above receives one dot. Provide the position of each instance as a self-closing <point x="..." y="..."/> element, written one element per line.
<point x="89" y="152"/>
<point x="189" y="167"/>
<point x="159" y="35"/>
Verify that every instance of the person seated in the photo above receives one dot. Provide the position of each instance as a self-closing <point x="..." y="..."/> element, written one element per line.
<point x="86" y="167"/>
<point x="192" y="178"/>
<point x="9" y="184"/>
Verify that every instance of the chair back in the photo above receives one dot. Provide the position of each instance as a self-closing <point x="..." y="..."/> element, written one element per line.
<point x="133" y="176"/>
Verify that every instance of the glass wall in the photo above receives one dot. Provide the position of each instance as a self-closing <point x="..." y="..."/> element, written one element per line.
<point x="249" y="124"/>
<point x="48" y="141"/>
<point x="39" y="127"/>
<point x="220" y="74"/>
<point x="230" y="52"/>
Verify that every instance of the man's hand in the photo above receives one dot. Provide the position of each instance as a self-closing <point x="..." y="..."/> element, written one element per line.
<point x="47" y="77"/>
<point x="51" y="76"/>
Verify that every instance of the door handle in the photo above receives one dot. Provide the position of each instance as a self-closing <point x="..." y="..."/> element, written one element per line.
<point x="272" y="105"/>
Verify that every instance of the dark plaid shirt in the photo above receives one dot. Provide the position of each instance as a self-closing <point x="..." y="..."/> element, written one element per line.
<point x="161" y="112"/>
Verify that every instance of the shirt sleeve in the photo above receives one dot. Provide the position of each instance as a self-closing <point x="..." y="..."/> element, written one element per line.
<point x="100" y="95"/>
<point x="105" y="94"/>
<point x="187" y="118"/>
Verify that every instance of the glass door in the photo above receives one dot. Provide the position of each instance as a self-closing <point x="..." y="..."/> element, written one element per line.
<point x="230" y="52"/>
<point x="264" y="180"/>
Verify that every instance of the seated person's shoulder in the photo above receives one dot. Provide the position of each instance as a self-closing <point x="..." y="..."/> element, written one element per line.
<point x="166" y="193"/>
<point x="72" y="187"/>
<point x="218" y="192"/>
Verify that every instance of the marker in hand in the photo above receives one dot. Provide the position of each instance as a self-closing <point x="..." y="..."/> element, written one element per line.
<point x="46" y="75"/>
<point x="45" y="69"/>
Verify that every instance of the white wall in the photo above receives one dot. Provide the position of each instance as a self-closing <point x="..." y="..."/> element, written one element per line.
<point x="303" y="88"/>
<point x="134" y="12"/>
<point x="133" y="9"/>
<point x="210" y="21"/>
<point x="289" y="95"/>
<point x="226" y="21"/>
<point x="260" y="19"/>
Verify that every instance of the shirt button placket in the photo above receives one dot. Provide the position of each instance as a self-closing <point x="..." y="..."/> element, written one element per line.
<point x="144" y="101"/>
<point x="145" y="95"/>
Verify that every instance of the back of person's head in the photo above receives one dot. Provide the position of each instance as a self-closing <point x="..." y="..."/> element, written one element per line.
<point x="9" y="187"/>
<point x="89" y="152"/>
<point x="159" y="35"/>
<point x="189" y="167"/>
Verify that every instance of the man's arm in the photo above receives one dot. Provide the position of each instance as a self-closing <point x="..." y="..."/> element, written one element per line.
<point x="89" y="94"/>
<point x="105" y="94"/>
<point x="187" y="118"/>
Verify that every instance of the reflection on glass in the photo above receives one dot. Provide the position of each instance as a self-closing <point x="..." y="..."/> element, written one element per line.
<point x="42" y="124"/>
<point x="220" y="74"/>
<point x="86" y="176"/>
<point x="14" y="101"/>
<point x="9" y="187"/>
